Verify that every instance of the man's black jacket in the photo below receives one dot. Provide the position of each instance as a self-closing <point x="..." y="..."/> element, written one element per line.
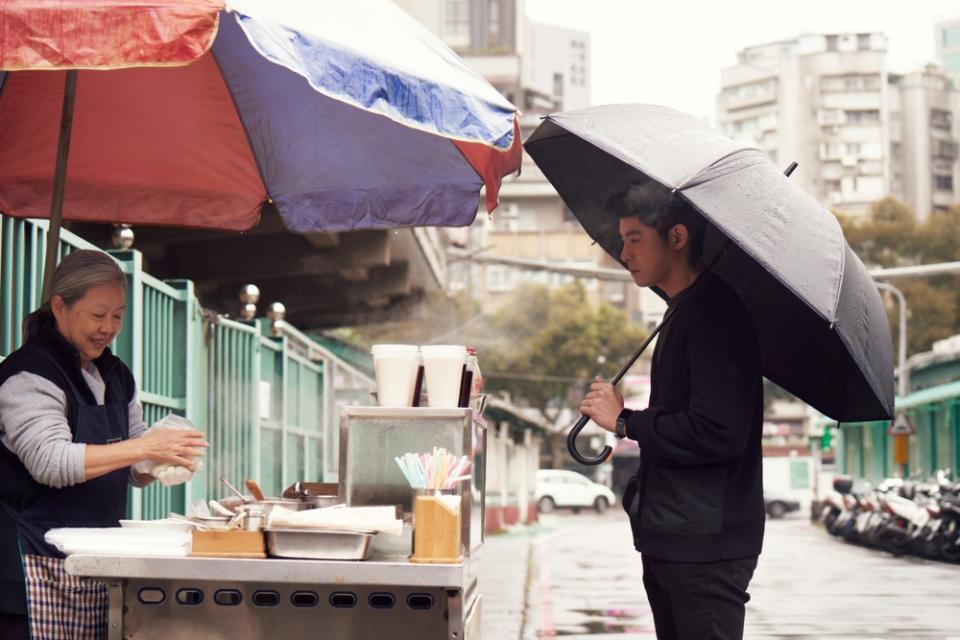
<point x="698" y="494"/>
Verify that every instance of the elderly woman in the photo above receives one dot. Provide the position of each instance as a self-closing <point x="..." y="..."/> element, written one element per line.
<point x="70" y="431"/>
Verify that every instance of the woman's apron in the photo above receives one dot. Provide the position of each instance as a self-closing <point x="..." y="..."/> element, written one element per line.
<point x="61" y="606"/>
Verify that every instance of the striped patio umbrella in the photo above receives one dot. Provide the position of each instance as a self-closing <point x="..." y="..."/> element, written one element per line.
<point x="345" y="114"/>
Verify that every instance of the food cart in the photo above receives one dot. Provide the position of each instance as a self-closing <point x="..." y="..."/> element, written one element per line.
<point x="386" y="595"/>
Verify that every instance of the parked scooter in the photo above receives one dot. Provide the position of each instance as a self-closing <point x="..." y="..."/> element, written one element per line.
<point x="900" y="517"/>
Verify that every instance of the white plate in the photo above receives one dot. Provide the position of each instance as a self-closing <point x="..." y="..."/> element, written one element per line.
<point x="168" y="524"/>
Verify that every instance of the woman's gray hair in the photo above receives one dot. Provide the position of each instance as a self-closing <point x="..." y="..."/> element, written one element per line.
<point x="77" y="272"/>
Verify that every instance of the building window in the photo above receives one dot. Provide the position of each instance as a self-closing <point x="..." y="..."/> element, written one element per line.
<point x="456" y="22"/>
<point x="862" y="117"/>
<point x="941" y="119"/>
<point x="494" y="19"/>
<point x="945" y="149"/>
<point x="501" y="278"/>
<point x="850" y="82"/>
<point x="558" y="86"/>
<point x="943" y="183"/>
<point x="508" y="217"/>
<point x="753" y="91"/>
<point x="831" y="117"/>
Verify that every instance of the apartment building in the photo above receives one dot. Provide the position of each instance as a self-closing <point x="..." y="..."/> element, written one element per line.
<point x="924" y="134"/>
<point x="858" y="131"/>
<point x="541" y="68"/>
<point x="948" y="49"/>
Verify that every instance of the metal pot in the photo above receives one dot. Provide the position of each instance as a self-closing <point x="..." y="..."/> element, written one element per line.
<point x="287" y="503"/>
<point x="319" y="502"/>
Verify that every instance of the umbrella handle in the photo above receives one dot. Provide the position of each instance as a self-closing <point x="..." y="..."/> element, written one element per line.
<point x="572" y="445"/>
<point x="582" y="422"/>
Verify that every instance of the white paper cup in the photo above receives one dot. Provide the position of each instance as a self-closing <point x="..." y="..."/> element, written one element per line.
<point x="442" y="370"/>
<point x="395" y="366"/>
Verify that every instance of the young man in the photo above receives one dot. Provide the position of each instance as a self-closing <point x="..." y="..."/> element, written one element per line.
<point x="696" y="502"/>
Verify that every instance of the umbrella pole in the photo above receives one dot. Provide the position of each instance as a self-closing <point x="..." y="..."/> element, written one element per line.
<point x="582" y="422"/>
<point x="59" y="181"/>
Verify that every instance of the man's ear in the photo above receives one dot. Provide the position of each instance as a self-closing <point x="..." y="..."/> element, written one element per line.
<point x="678" y="237"/>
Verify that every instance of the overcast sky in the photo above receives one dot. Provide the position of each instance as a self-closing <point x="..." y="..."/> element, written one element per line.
<point x="670" y="52"/>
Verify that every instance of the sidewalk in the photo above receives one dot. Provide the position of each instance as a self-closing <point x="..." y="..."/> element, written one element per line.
<point x="506" y="572"/>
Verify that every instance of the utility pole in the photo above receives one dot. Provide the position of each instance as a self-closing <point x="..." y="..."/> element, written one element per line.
<point x="903" y="374"/>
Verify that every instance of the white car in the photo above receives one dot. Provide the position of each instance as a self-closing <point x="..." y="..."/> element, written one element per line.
<point x="568" y="489"/>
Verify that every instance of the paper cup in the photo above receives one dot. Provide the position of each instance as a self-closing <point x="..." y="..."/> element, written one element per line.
<point x="395" y="367"/>
<point x="443" y="370"/>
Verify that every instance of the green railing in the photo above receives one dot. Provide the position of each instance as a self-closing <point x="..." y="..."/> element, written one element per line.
<point x="22" y="252"/>
<point x="268" y="403"/>
<point x="866" y="450"/>
<point x="231" y="420"/>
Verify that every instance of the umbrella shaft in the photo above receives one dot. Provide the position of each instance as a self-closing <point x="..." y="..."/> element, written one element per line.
<point x="59" y="181"/>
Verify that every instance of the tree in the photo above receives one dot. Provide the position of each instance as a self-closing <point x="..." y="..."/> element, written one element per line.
<point x="554" y="343"/>
<point x="891" y="237"/>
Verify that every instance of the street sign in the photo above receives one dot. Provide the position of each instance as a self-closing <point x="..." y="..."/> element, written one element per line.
<point x="901" y="448"/>
<point x="902" y="426"/>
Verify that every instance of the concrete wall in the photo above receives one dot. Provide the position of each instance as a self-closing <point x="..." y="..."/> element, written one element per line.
<point x="511" y="479"/>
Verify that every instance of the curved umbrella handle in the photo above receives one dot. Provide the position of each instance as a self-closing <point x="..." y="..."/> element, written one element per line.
<point x="582" y="422"/>
<point x="572" y="445"/>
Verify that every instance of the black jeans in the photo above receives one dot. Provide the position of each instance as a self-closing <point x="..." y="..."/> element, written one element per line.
<point x="698" y="601"/>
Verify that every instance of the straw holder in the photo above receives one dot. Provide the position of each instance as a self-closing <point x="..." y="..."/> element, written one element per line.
<point x="436" y="526"/>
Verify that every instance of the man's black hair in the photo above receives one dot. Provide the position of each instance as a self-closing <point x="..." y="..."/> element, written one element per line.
<point x="656" y="206"/>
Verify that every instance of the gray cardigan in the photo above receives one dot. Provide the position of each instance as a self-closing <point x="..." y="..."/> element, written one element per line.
<point x="33" y="425"/>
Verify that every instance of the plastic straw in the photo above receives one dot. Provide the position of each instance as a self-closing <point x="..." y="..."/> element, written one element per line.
<point x="452" y="481"/>
<point x="437" y="469"/>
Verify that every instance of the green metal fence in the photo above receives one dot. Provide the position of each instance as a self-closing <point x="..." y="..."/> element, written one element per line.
<point x="266" y="396"/>
<point x="22" y="252"/>
<point x="865" y="450"/>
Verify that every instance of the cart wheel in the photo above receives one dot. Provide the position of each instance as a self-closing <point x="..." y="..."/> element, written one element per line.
<point x="546" y="504"/>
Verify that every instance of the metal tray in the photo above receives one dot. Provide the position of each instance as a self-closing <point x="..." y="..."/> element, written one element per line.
<point x="318" y="544"/>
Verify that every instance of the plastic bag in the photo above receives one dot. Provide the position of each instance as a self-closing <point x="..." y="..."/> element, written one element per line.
<point x="169" y="475"/>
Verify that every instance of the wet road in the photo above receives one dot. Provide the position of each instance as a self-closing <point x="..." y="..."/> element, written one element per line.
<point x="581" y="579"/>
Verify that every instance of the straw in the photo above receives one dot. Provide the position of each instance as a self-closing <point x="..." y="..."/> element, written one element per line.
<point x="437" y="469"/>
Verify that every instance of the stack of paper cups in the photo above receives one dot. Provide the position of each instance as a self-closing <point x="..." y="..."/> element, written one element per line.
<point x="443" y="370"/>
<point x="395" y="366"/>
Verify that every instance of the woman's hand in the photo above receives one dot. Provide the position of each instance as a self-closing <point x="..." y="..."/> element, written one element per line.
<point x="172" y="446"/>
<point x="603" y="404"/>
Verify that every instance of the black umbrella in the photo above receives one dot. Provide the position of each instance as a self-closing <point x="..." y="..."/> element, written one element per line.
<point x="822" y="326"/>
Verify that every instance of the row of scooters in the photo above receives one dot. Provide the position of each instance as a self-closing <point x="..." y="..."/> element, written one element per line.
<point x="899" y="516"/>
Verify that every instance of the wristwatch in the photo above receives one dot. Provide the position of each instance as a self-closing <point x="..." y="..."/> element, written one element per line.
<point x="621" y="429"/>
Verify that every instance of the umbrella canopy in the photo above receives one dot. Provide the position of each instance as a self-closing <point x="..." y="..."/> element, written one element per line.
<point x="822" y="326"/>
<point x="346" y="114"/>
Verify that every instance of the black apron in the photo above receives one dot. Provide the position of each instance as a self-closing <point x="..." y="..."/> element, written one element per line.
<point x="33" y="509"/>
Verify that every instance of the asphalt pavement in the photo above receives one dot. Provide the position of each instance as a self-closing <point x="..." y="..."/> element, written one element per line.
<point x="577" y="576"/>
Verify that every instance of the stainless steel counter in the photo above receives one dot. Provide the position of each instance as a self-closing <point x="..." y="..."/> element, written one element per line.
<point x="237" y="599"/>
<point x="375" y="571"/>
